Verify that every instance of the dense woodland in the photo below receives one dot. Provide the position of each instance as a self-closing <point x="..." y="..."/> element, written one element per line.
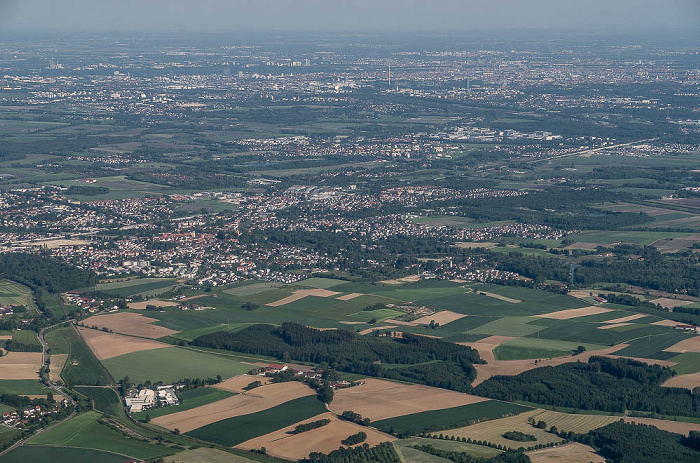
<point x="38" y="271"/>
<point x="630" y="443"/>
<point x="613" y="385"/>
<point x="450" y="364"/>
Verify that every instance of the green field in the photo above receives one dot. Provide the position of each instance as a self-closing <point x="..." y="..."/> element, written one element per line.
<point x="474" y="450"/>
<point x="531" y="348"/>
<point x="189" y="399"/>
<point x="687" y="363"/>
<point x="7" y="434"/>
<point x="172" y="364"/>
<point x="142" y="286"/>
<point x="22" y="387"/>
<point x="104" y="399"/>
<point x="40" y="454"/>
<point x="12" y="293"/>
<point x="84" y="431"/>
<point x="82" y="368"/>
<point x="27" y="337"/>
<point x="233" y="431"/>
<point x="447" y="418"/>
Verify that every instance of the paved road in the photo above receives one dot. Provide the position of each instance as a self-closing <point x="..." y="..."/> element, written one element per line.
<point x="56" y="388"/>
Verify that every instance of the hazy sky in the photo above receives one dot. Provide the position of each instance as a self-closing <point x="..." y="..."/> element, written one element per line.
<point x="349" y="15"/>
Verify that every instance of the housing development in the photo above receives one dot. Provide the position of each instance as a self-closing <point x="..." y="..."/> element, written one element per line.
<point x="322" y="248"/>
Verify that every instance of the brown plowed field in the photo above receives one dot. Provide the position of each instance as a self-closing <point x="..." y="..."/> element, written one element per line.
<point x="568" y="453"/>
<point x="379" y="399"/>
<point x="324" y="439"/>
<point x="20" y="365"/>
<point x="443" y="317"/>
<point x="107" y="345"/>
<point x="574" y="313"/>
<point x="301" y="294"/>
<point x="666" y="425"/>
<point x="487" y="345"/>
<point x="690" y="381"/>
<point x="58" y="361"/>
<point x="686" y="345"/>
<point x="258" y="399"/>
<point x="133" y="324"/>
<point x="237" y="383"/>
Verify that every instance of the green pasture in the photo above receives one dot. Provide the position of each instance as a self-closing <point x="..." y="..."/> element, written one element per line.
<point x="653" y="345"/>
<point x="143" y="286"/>
<point x="82" y="367"/>
<point x="531" y="348"/>
<point x="12" y="293"/>
<point x="233" y="431"/>
<point x="435" y="420"/>
<point x="189" y="399"/>
<point x="172" y="364"/>
<point x="474" y="450"/>
<point x="85" y="431"/>
<point x="687" y="363"/>
<point x="250" y="289"/>
<point x="41" y="454"/>
<point x="23" y="387"/>
<point x="321" y="283"/>
<point x="104" y="399"/>
<point x="27" y="337"/>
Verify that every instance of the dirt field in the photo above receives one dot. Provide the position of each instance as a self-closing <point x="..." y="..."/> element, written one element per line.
<point x="501" y="298"/>
<point x="377" y="328"/>
<point x="142" y="305"/>
<point x="301" y="294"/>
<point x="474" y="244"/>
<point x="666" y="425"/>
<point x="487" y="345"/>
<point x="574" y="313"/>
<point x="347" y="297"/>
<point x="670" y="303"/>
<point x="53" y="244"/>
<point x="237" y="383"/>
<point x="614" y="325"/>
<point x="493" y="431"/>
<point x="568" y="453"/>
<point x="258" y="399"/>
<point x="57" y="363"/>
<point x="515" y="367"/>
<point x="581" y="293"/>
<point x="579" y="423"/>
<point x="629" y="318"/>
<point x="443" y="317"/>
<point x="20" y="365"/>
<point x="686" y="345"/>
<point x="5" y="337"/>
<point x="133" y="324"/>
<point x="205" y="455"/>
<point x="379" y="399"/>
<point x="399" y="322"/>
<point x="690" y="381"/>
<point x="324" y="439"/>
<point x="666" y="323"/>
<point x="108" y="345"/>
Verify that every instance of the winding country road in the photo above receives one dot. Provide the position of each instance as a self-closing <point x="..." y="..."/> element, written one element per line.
<point x="56" y="388"/>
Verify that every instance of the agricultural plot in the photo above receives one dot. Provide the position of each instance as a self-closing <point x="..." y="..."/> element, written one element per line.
<point x="133" y="324"/>
<point x="531" y="348"/>
<point x="435" y="420"/>
<point x="206" y="455"/>
<point x="23" y="387"/>
<point x="85" y="431"/>
<point x="188" y="400"/>
<point x="254" y="401"/>
<point x="142" y="286"/>
<point x="493" y="430"/>
<point x="172" y="364"/>
<point x="20" y="365"/>
<point x="26" y="337"/>
<point x="12" y="293"/>
<point x="104" y="399"/>
<point x="107" y="345"/>
<point x="236" y="430"/>
<point x="679" y="427"/>
<point x="569" y="453"/>
<point x="578" y="423"/>
<point x="474" y="450"/>
<point x="52" y="454"/>
<point x="251" y="289"/>
<point x="82" y="367"/>
<point x="283" y="444"/>
<point x="380" y="399"/>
